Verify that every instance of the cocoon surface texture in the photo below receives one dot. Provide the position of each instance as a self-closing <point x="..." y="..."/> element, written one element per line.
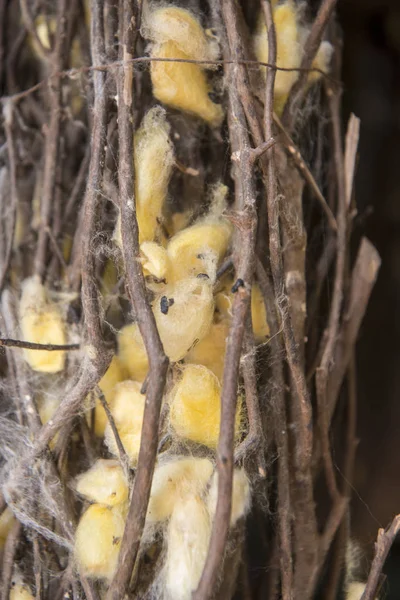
<point x="132" y="353"/>
<point x="103" y="483"/>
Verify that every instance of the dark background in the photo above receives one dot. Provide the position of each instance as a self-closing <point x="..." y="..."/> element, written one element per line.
<point x="371" y="74"/>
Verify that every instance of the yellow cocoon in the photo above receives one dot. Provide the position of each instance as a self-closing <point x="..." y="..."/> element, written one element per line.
<point x="97" y="541"/>
<point x="199" y="249"/>
<point x="103" y="483"/>
<point x="355" y="590"/>
<point x="41" y="322"/>
<point x="183" y="315"/>
<point x="132" y="352"/>
<point x="180" y="26"/>
<point x="154" y="260"/>
<point x="188" y="538"/>
<point x="195" y="410"/>
<point x="210" y="351"/>
<point x="241" y="497"/>
<point x="7" y="520"/>
<point x="174" y="479"/>
<point x="127" y="410"/>
<point x="114" y="374"/>
<point x="183" y="86"/>
<point x="290" y="36"/>
<point x="19" y="591"/>
<point x="258" y="315"/>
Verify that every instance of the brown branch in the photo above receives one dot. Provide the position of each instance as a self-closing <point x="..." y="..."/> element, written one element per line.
<point x="310" y="50"/>
<point x="383" y="544"/>
<point x="350" y="155"/>
<point x="158" y="362"/>
<point x="11" y="343"/>
<point x="10" y="549"/>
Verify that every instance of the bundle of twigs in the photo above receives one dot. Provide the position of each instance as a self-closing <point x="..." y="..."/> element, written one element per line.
<point x="67" y="171"/>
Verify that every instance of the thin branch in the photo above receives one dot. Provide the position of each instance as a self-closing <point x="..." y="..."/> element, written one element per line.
<point x="11" y="343"/>
<point x="383" y="544"/>
<point x="8" y="558"/>
<point x="350" y="155"/>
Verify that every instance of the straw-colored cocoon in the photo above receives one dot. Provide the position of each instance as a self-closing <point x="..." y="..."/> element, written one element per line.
<point x="114" y="374"/>
<point x="7" y="520"/>
<point x="188" y="538"/>
<point x="290" y="37"/>
<point x="355" y="590"/>
<point x="20" y="591"/>
<point x="154" y="260"/>
<point x="176" y="34"/>
<point x="241" y="497"/>
<point x="183" y="313"/>
<point x="104" y="483"/>
<point x="97" y="541"/>
<point x="258" y="315"/>
<point x="41" y="322"/>
<point x="127" y="410"/>
<point x="173" y="480"/>
<point x="132" y="352"/>
<point x="210" y="351"/>
<point x="195" y="409"/>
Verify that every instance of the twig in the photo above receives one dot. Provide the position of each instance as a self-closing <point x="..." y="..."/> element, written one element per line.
<point x="383" y="544"/>
<point x="37" y="567"/>
<point x="158" y="362"/>
<point x="8" y="558"/>
<point x="352" y="137"/>
<point x="11" y="343"/>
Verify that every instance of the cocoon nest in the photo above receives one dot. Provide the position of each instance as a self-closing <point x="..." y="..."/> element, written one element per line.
<point x="195" y="409"/>
<point x="188" y="538"/>
<point x="183" y="313"/>
<point x="241" y="496"/>
<point x="290" y="38"/>
<point x="41" y="322"/>
<point x="114" y="374"/>
<point x="259" y="315"/>
<point x="210" y="351"/>
<point x="154" y="159"/>
<point x="20" y="591"/>
<point x="173" y="480"/>
<point x="97" y="541"/>
<point x="7" y="520"/>
<point x="132" y="352"/>
<point x="127" y="410"/>
<point x="104" y="483"/>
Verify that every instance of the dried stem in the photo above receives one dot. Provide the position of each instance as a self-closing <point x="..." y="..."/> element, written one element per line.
<point x="383" y="544"/>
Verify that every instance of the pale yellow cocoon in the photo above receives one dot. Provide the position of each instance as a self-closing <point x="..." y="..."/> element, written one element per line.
<point x="47" y="406"/>
<point x="104" y="483"/>
<point x="41" y="322"/>
<point x="97" y="541"/>
<point x="180" y="26"/>
<point x="114" y="374"/>
<point x="210" y="351"/>
<point x="199" y="249"/>
<point x="127" y="410"/>
<point x="259" y="315"/>
<point x="19" y="591"/>
<point x="241" y="495"/>
<point x="195" y="407"/>
<point x="188" y="538"/>
<point x="190" y="308"/>
<point x="355" y="590"/>
<point x="182" y="85"/>
<point x="321" y="61"/>
<point x="132" y="352"/>
<point x="154" y="260"/>
<point x="7" y="520"/>
<point x="173" y="480"/>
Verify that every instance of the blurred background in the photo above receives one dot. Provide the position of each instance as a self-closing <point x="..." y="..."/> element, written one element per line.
<point x="371" y="74"/>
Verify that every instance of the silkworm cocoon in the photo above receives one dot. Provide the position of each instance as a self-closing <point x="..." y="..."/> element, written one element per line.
<point x="20" y="591"/>
<point x="241" y="496"/>
<point x="175" y="24"/>
<point x="97" y="541"/>
<point x="154" y="259"/>
<point x="41" y="322"/>
<point x="132" y="352"/>
<point x="195" y="410"/>
<point x="127" y="410"/>
<point x="210" y="351"/>
<point x="104" y="483"/>
<point x="174" y="479"/>
<point x="183" y="86"/>
<point x="321" y="61"/>
<point x="355" y="590"/>
<point x="7" y="520"/>
<point x="183" y="314"/>
<point x="188" y="538"/>
<point x="199" y="249"/>
<point x="114" y="374"/>
<point x="258" y="315"/>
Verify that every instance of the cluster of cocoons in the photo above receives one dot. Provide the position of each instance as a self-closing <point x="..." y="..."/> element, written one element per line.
<point x="175" y="33"/>
<point x="101" y="526"/>
<point x="290" y="38"/>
